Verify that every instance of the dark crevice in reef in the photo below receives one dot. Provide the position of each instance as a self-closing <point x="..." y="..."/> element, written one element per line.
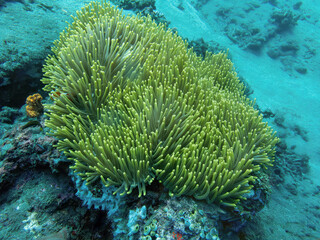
<point x="19" y="84"/>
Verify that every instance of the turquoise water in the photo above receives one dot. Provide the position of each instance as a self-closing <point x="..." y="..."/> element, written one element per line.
<point x="274" y="47"/>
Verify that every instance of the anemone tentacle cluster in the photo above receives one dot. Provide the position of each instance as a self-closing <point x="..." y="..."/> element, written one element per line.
<point x="132" y="104"/>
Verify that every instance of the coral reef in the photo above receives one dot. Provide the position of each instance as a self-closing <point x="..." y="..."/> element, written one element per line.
<point x="248" y="33"/>
<point x="144" y="8"/>
<point x="135" y="5"/>
<point x="37" y="195"/>
<point x="30" y="164"/>
<point x="261" y="27"/>
<point x="292" y="55"/>
<point x="39" y="201"/>
<point x="137" y="105"/>
<point x="186" y="218"/>
<point x="201" y="47"/>
<point x="284" y="20"/>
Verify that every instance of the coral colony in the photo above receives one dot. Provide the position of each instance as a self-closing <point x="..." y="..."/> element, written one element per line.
<point x="135" y="106"/>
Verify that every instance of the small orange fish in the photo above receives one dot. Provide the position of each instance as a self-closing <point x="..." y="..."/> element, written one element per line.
<point x="57" y="94"/>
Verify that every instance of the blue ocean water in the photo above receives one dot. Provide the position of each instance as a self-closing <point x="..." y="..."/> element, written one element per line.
<point x="273" y="45"/>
